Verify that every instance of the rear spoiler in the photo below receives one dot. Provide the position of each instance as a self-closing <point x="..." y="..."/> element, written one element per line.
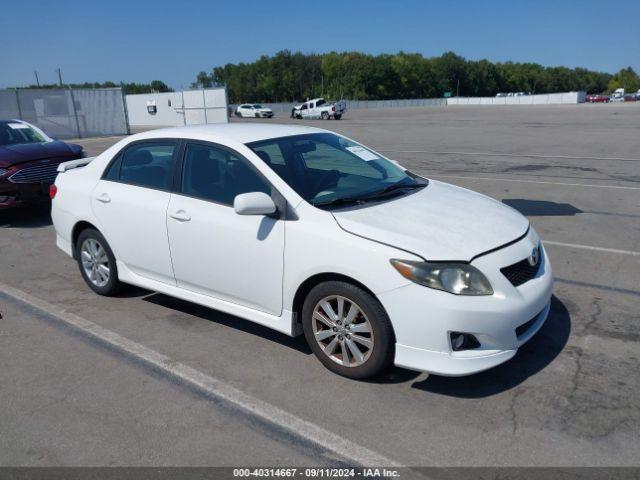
<point x="81" y="162"/>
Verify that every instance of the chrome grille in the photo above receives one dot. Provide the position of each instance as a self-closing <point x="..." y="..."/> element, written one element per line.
<point x="38" y="173"/>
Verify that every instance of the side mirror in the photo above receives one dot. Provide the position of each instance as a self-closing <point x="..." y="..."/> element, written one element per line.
<point x="254" y="203"/>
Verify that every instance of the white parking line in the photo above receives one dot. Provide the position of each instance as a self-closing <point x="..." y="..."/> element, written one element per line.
<point x="251" y="406"/>
<point x="520" y="155"/>
<point x="535" y="181"/>
<point x="588" y="247"/>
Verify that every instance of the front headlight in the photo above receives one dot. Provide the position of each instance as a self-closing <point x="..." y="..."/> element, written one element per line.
<point x="3" y="171"/>
<point x="456" y="278"/>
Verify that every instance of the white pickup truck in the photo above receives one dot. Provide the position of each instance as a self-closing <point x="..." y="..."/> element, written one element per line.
<point x="319" y="108"/>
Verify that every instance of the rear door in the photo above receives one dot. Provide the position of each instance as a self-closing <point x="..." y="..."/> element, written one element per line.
<point x="130" y="202"/>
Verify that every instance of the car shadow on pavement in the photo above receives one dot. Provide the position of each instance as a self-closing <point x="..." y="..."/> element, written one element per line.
<point x="35" y="216"/>
<point x="296" y="343"/>
<point x="541" y="208"/>
<point x="531" y="358"/>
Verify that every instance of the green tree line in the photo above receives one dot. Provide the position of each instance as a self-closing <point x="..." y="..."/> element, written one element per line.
<point x="290" y="76"/>
<point x="129" y="88"/>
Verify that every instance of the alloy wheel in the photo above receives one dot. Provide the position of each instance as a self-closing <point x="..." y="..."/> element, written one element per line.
<point x="342" y="330"/>
<point x="95" y="262"/>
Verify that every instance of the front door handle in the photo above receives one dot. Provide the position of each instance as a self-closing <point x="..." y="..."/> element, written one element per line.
<point x="104" y="198"/>
<point x="180" y="215"/>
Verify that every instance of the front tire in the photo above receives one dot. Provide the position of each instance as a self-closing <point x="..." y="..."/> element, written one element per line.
<point x="348" y="330"/>
<point x="97" y="263"/>
<point x="337" y="116"/>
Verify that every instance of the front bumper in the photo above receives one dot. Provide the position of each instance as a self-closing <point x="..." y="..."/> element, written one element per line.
<point x="17" y="194"/>
<point x="422" y="318"/>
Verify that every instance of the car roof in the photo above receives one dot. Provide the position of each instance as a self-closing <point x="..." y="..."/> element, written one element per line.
<point x="236" y="132"/>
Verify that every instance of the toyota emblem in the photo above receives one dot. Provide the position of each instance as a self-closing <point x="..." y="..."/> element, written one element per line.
<point x="534" y="258"/>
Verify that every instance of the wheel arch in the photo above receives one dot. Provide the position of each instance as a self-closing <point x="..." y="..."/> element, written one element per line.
<point x="305" y="287"/>
<point x="78" y="228"/>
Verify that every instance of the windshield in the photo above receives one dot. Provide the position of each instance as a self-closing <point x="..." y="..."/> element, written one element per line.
<point x="257" y="105"/>
<point x="12" y="133"/>
<point x="326" y="169"/>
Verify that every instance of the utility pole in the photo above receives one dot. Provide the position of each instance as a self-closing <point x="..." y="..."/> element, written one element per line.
<point x="59" y="76"/>
<point x="458" y="88"/>
<point x="37" y="79"/>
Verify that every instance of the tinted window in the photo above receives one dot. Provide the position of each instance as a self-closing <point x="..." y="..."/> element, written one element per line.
<point x="270" y="154"/>
<point x="12" y="133"/>
<point x="331" y="157"/>
<point x="215" y="174"/>
<point x="147" y="165"/>
<point x="114" y="169"/>
<point x="303" y="107"/>
<point x="320" y="102"/>
<point x="323" y="167"/>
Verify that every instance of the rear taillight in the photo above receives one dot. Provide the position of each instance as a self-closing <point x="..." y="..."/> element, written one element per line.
<point x="52" y="191"/>
<point x="333" y="109"/>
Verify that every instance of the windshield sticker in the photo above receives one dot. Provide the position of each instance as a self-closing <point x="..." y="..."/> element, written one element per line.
<point x="16" y="126"/>
<point x="363" y="153"/>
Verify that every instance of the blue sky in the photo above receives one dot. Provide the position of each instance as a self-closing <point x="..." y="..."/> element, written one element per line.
<point x="140" y="40"/>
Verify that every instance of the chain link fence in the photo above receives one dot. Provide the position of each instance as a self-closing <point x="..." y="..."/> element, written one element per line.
<point x="68" y="113"/>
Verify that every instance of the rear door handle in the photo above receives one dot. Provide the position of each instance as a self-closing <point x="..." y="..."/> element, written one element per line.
<point x="104" y="198"/>
<point x="181" y="216"/>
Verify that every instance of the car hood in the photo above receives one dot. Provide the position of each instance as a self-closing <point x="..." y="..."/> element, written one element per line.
<point x="440" y="222"/>
<point x="26" y="152"/>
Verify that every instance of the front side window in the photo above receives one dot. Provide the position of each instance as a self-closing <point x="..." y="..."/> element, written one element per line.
<point x="146" y="165"/>
<point x="13" y="133"/>
<point x="326" y="169"/>
<point x="215" y="174"/>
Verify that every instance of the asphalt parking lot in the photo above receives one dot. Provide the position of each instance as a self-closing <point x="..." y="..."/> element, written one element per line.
<point x="569" y="397"/>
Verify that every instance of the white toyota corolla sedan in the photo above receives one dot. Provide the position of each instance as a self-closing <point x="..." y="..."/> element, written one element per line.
<point x="306" y="231"/>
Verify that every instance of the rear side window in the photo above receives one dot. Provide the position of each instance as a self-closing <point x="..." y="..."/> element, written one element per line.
<point x="212" y="173"/>
<point x="146" y="165"/>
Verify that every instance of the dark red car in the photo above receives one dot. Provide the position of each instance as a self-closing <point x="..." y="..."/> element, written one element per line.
<point x="28" y="162"/>
<point x="597" y="98"/>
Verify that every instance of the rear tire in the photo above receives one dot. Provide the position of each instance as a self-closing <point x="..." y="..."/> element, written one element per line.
<point x="348" y="330"/>
<point x="324" y="115"/>
<point x="97" y="263"/>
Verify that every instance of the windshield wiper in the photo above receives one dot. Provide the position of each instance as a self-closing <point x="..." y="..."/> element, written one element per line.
<point x="392" y="188"/>
<point x="370" y="197"/>
<point x="341" y="201"/>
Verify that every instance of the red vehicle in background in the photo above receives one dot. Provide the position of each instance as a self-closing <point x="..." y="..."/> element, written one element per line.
<point x="29" y="161"/>
<point x="597" y="98"/>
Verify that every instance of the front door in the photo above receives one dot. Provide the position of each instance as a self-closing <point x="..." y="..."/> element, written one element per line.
<point x="215" y="251"/>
